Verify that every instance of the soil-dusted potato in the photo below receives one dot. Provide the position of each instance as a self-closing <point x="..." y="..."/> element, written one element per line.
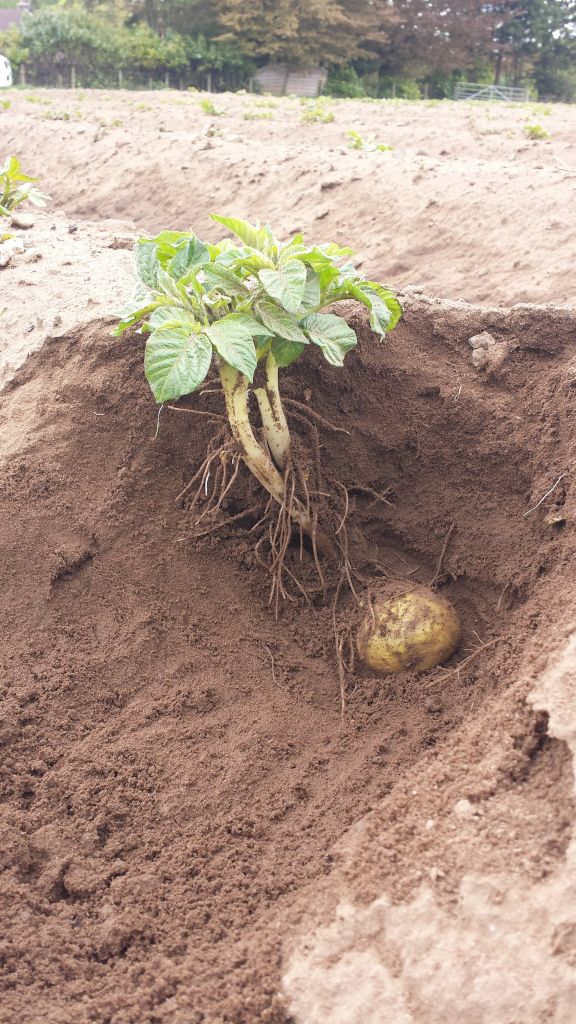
<point x="414" y="629"/>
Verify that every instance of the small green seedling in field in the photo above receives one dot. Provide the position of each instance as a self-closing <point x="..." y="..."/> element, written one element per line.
<point x="56" y="115"/>
<point x="316" y="113"/>
<point x="43" y="100"/>
<point x="355" y="141"/>
<point x="247" y="308"/>
<point x="17" y="188"/>
<point x="536" y="133"/>
<point x="544" y="109"/>
<point x="258" y="115"/>
<point x="5" y="104"/>
<point x="209" y="107"/>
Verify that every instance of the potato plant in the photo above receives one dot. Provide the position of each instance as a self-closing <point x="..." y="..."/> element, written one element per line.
<point x="356" y="141"/>
<point x="17" y="188"/>
<point x="249" y="307"/>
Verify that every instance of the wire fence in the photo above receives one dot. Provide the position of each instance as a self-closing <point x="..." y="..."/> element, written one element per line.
<point x="74" y="77"/>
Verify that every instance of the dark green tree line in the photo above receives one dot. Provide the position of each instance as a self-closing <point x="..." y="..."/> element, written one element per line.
<point x="365" y="43"/>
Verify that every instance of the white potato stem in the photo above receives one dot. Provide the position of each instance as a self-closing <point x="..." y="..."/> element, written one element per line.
<point x="258" y="461"/>
<point x="273" y="417"/>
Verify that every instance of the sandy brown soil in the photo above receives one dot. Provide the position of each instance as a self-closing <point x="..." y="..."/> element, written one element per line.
<point x="465" y="204"/>
<point x="176" y="777"/>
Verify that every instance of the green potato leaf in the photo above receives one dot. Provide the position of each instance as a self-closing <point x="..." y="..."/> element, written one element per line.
<point x="286" y="284"/>
<point x="311" y="295"/>
<point x="233" y="341"/>
<point x="260" y="238"/>
<point x="147" y="264"/>
<point x="385" y="308"/>
<point x="189" y="254"/>
<point x="140" y="306"/>
<point x="175" y="315"/>
<point x="280" y="322"/>
<point x="286" y="352"/>
<point x="331" y="334"/>
<point x="176" y="361"/>
<point x="217" y="275"/>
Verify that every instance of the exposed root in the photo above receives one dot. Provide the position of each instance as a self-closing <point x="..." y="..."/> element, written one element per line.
<point x="313" y="538"/>
<point x="303" y="483"/>
<point x="343" y="642"/>
<point x="438" y="571"/>
<point x="214" y="448"/>
<point x="346" y="507"/>
<point x="230" y="484"/>
<point x="244" y="514"/>
<point x="316" y="415"/>
<point x="197" y="412"/>
<point x="376" y="495"/>
<point x="466" y="661"/>
<point x="339" y="644"/>
<point x="279" y="537"/>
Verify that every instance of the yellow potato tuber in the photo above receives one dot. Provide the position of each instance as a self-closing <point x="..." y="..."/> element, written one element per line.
<point x="411" y="629"/>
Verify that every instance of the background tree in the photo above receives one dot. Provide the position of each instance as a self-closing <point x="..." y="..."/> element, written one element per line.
<point x="528" y="32"/>
<point x="369" y="46"/>
<point x="303" y="32"/>
<point x="427" y="36"/>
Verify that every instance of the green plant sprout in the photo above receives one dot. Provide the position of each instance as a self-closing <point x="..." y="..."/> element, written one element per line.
<point x="56" y="115"/>
<point x="316" y="113"/>
<point x="258" y="115"/>
<point x="356" y="141"/>
<point x="251" y="307"/>
<point x="209" y="107"/>
<point x="536" y="133"/>
<point x="17" y="188"/>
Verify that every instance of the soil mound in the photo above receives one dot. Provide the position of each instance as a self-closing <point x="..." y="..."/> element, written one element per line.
<point x="175" y="771"/>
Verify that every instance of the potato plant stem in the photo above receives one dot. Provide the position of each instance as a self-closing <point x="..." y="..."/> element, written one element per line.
<point x="236" y="386"/>
<point x="273" y="417"/>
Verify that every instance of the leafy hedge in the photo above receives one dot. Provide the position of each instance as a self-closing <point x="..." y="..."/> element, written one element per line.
<point x="55" y="39"/>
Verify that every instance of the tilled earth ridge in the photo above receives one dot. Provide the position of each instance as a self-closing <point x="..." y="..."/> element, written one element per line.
<point x="465" y="204"/>
<point x="175" y="771"/>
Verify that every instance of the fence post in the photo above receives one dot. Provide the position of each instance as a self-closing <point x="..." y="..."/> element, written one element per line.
<point x="425" y="90"/>
<point x="120" y="78"/>
<point x="167" y="79"/>
<point x="394" y="90"/>
<point x="72" y="77"/>
<point x="209" y="82"/>
<point x="149" y="81"/>
<point x="22" y="75"/>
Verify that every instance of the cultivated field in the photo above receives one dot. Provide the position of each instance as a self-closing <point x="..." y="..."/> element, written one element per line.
<point x="465" y="204"/>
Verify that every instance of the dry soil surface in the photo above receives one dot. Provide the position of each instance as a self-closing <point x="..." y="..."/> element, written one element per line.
<point x="465" y="204"/>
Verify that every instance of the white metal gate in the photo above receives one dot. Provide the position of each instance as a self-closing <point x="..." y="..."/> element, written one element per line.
<point x="476" y="91"/>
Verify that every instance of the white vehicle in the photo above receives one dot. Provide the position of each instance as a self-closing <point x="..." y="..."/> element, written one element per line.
<point x="5" y="72"/>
